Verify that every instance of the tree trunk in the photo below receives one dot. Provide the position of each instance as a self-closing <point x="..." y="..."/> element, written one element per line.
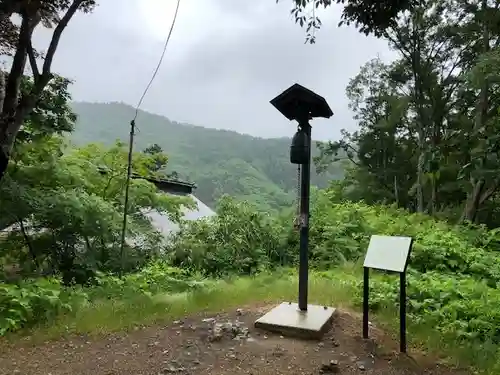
<point x="419" y="106"/>
<point x="474" y="198"/>
<point x="9" y="95"/>
<point x="29" y="244"/>
<point x="9" y="127"/>
<point x="473" y="201"/>
<point x="13" y="109"/>
<point x="433" y="203"/>
<point x="4" y="162"/>
<point x="420" y="183"/>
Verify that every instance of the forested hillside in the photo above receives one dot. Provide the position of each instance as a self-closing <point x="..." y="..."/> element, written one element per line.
<point x="218" y="161"/>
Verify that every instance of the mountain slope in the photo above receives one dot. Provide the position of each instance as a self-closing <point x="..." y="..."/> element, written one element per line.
<point x="218" y="161"/>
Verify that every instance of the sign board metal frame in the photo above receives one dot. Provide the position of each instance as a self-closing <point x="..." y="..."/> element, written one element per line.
<point x="387" y="253"/>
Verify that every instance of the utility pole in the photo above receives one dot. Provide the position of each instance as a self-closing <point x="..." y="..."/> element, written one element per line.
<point x="125" y="203"/>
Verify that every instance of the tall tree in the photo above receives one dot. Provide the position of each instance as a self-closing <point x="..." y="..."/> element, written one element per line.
<point x="438" y="104"/>
<point x="480" y="102"/>
<point x="16" y="105"/>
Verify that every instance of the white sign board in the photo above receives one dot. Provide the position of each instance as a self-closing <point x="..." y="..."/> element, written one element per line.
<point x="388" y="253"/>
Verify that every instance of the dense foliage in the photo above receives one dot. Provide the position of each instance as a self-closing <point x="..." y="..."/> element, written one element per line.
<point x="37" y="301"/>
<point x="428" y="136"/>
<point x="61" y="207"/>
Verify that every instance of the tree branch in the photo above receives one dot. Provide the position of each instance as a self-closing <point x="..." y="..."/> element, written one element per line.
<point x="489" y="192"/>
<point x="27" y="240"/>
<point x="56" y="36"/>
<point x="14" y="111"/>
<point x="33" y="63"/>
<point x="16" y="72"/>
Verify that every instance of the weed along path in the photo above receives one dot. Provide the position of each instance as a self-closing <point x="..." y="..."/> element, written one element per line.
<point x="224" y="343"/>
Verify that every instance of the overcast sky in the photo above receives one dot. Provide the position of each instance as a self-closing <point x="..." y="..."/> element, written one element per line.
<point x="225" y="61"/>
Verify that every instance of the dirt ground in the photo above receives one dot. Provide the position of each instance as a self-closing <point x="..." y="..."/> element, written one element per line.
<point x="225" y="343"/>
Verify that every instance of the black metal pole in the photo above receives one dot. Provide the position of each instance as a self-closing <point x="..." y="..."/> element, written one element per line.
<point x="125" y="203"/>
<point x="305" y="182"/>
<point x="402" y="312"/>
<point x="366" y="290"/>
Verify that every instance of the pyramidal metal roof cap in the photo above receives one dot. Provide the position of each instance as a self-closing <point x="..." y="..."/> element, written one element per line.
<point x="297" y="101"/>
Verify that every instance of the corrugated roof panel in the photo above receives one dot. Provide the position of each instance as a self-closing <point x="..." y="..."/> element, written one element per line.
<point x="162" y="223"/>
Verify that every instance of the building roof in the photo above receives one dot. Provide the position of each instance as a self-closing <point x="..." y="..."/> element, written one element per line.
<point x="167" y="185"/>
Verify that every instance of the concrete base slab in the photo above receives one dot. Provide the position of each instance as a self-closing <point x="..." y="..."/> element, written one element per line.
<point x="288" y="320"/>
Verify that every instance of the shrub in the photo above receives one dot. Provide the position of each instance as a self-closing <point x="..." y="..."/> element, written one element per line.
<point x="158" y="277"/>
<point x="239" y="239"/>
<point x="31" y="302"/>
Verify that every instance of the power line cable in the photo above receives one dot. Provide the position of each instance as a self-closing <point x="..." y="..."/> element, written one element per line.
<point x="132" y="133"/>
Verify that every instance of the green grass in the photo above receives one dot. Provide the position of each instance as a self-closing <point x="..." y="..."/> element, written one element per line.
<point x="104" y="315"/>
<point x="334" y="288"/>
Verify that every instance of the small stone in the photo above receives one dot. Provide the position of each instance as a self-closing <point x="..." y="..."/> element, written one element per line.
<point x="361" y="366"/>
<point x="278" y="351"/>
<point x="321" y="344"/>
<point x="232" y="356"/>
<point x="265" y="336"/>
<point x="172" y="369"/>
<point x="282" y="337"/>
<point x="331" y="368"/>
<point x="239" y="312"/>
<point x="216" y="334"/>
<point x="176" y="322"/>
<point x="208" y="320"/>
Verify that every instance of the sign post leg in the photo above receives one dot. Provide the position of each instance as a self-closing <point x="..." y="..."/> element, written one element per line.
<point x="366" y="289"/>
<point x="305" y="182"/>
<point x="402" y="312"/>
